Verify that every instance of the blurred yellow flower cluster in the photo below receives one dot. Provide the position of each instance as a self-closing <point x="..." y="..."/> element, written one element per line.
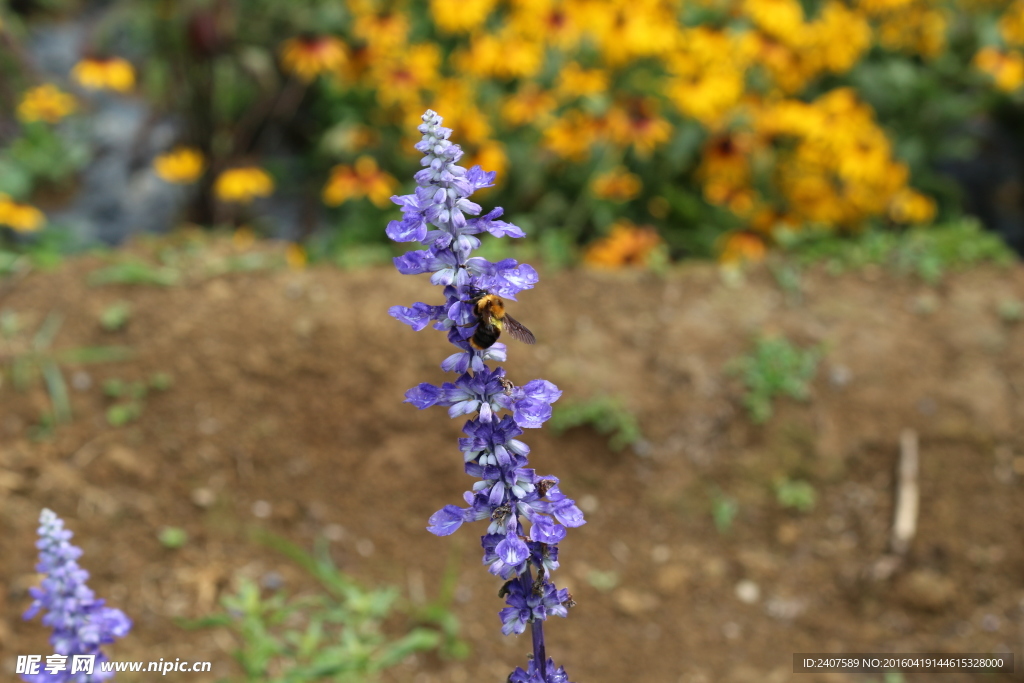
<point x="182" y="165"/>
<point x="109" y="73"/>
<point x="626" y="245"/>
<point x="364" y="179"/>
<point x="309" y="56"/>
<point x="20" y="217"/>
<point x="45" y="103"/>
<point x="586" y="77"/>
<point x="242" y="185"/>
<point x="837" y="167"/>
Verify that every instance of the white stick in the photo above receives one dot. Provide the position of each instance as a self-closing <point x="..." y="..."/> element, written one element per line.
<point x="907" y="494"/>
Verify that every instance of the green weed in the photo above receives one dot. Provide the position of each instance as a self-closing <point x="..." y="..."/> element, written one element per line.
<point x="724" y="509"/>
<point x="29" y="359"/>
<point x="336" y="634"/>
<point x="115" y="316"/>
<point x="605" y="414"/>
<point x="134" y="273"/>
<point x="172" y="537"/>
<point x="794" y="494"/>
<point x="131" y="397"/>
<point x="775" y="368"/>
<point x="1010" y="310"/>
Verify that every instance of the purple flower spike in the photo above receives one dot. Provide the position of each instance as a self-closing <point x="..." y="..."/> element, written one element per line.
<point x="439" y="215"/>
<point x="81" y="623"/>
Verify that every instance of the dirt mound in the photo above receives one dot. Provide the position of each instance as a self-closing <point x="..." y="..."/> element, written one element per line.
<point x="286" y="402"/>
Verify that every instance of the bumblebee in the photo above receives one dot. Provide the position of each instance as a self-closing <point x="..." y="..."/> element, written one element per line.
<point x="490" y="311"/>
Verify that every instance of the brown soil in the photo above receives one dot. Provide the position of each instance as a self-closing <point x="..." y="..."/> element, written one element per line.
<point x="288" y="389"/>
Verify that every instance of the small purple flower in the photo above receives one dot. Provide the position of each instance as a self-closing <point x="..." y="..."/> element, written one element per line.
<point x="80" y="622"/>
<point x="533" y="675"/>
<point x="439" y="215"/>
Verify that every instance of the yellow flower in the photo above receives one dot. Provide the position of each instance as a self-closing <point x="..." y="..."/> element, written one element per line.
<point x="910" y="206"/>
<point x="401" y="75"/>
<point x="365" y="179"/>
<point x="725" y="172"/>
<point x="243" y="184"/>
<point x="571" y="136"/>
<point x="707" y="74"/>
<point x="382" y="31"/>
<point x="556" y="23"/>
<point x="842" y="36"/>
<point x="109" y="73"/>
<point x="917" y="30"/>
<point x="617" y="185"/>
<point x="627" y="31"/>
<point x="626" y="245"/>
<point x="490" y="156"/>
<point x="881" y="7"/>
<point x="1011" y="24"/>
<point x="638" y="124"/>
<point x="20" y="217"/>
<point x="45" y="103"/>
<point x="575" y="81"/>
<point x="456" y="97"/>
<point x="306" y="57"/>
<point x="181" y="165"/>
<point x="505" y="55"/>
<point x="530" y="105"/>
<point x="460" y="16"/>
<point x="781" y="19"/>
<point x="1007" y="68"/>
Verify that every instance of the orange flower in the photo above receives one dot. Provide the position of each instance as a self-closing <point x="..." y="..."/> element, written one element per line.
<point x="365" y="179"/>
<point x="490" y="156"/>
<point x="738" y="248"/>
<point x="306" y="57"/>
<point x="531" y="105"/>
<point x="627" y="245"/>
<point x="639" y="125"/>
<point x="104" y="73"/>
<point x="617" y="185"/>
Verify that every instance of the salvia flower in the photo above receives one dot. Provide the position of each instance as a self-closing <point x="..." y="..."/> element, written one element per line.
<point x="80" y="622"/>
<point x="526" y="513"/>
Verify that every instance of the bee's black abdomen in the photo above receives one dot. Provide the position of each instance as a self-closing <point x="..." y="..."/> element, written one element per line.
<point x="485" y="336"/>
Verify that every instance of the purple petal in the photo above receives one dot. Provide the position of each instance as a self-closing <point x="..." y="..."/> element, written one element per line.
<point x="512" y="550"/>
<point x="413" y="262"/>
<point x="566" y="512"/>
<point x="416" y="317"/>
<point x="423" y="396"/>
<point x="412" y="228"/>
<point x="530" y="413"/>
<point x="446" y="521"/>
<point x="544" y="530"/>
<point x="542" y="390"/>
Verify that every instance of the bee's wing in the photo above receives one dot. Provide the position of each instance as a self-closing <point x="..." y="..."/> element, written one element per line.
<point x="518" y="331"/>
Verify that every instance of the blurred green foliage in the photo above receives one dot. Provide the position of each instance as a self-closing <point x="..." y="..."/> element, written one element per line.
<point x="336" y="634"/>
<point x="794" y="494"/>
<point x="605" y="414"/>
<point x="928" y="253"/>
<point x="775" y="367"/>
